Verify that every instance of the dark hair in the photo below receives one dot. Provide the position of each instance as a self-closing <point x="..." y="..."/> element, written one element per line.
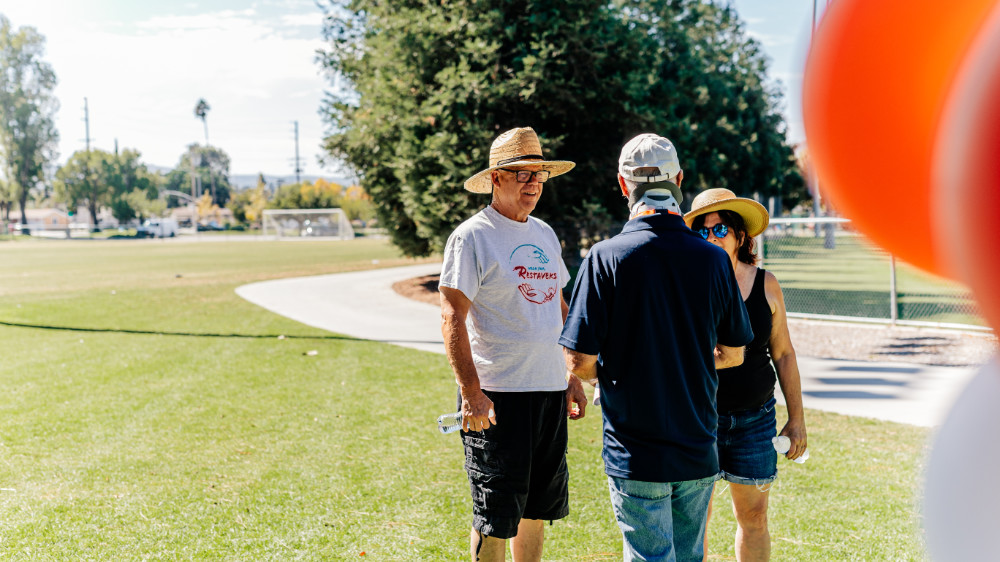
<point x="746" y="252"/>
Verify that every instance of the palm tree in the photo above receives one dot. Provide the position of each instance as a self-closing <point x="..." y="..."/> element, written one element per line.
<point x="201" y="112"/>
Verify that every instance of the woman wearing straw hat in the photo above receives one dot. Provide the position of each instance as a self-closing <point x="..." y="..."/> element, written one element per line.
<point x="746" y="393"/>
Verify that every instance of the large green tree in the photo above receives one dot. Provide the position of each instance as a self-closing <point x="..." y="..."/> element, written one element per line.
<point x="431" y="84"/>
<point x="97" y="178"/>
<point x="133" y="187"/>
<point x="208" y="167"/>
<point x="722" y="115"/>
<point x="81" y="181"/>
<point x="28" y="135"/>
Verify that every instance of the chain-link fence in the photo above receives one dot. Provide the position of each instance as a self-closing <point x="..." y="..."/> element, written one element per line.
<point x="828" y="270"/>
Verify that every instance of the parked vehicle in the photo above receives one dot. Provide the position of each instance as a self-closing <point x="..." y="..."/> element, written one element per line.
<point x="157" y="227"/>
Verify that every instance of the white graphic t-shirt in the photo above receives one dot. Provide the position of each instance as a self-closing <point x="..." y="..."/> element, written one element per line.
<point x="512" y="272"/>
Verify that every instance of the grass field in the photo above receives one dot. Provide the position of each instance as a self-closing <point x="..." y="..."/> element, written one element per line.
<point x="853" y="279"/>
<point x="151" y="414"/>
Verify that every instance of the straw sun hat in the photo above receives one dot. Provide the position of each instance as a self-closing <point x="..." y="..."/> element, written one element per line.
<point x="721" y="199"/>
<point x="516" y="147"/>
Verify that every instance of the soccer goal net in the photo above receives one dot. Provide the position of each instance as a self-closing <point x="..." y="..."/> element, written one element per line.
<point x="302" y="223"/>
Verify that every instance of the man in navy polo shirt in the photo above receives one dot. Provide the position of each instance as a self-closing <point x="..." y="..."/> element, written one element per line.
<point x="655" y="311"/>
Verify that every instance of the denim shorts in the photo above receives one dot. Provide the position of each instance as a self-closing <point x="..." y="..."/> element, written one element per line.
<point x="746" y="454"/>
<point x="517" y="468"/>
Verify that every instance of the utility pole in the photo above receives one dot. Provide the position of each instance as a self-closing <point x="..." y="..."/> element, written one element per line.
<point x="86" y="121"/>
<point x="298" y="161"/>
<point x="817" y="208"/>
<point x="829" y="236"/>
<point x="86" y="165"/>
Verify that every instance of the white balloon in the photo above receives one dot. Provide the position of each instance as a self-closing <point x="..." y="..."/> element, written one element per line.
<point x="962" y="490"/>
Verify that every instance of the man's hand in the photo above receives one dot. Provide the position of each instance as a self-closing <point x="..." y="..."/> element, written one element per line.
<point x="477" y="411"/>
<point x="726" y="357"/>
<point x="477" y="408"/>
<point x="575" y="395"/>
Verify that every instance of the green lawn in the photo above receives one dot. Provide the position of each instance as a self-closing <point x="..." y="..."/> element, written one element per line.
<point x="210" y="438"/>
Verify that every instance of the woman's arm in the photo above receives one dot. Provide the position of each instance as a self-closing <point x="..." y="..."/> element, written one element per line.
<point x="783" y="355"/>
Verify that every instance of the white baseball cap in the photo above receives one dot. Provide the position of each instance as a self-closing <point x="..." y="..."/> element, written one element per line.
<point x="649" y="151"/>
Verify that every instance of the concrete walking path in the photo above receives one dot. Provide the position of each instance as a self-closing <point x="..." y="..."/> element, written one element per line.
<point x="363" y="305"/>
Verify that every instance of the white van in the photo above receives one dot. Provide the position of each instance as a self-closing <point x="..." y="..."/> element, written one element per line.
<point x="157" y="227"/>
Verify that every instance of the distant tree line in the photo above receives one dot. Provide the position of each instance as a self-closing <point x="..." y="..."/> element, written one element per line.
<point x="325" y="195"/>
<point x="120" y="181"/>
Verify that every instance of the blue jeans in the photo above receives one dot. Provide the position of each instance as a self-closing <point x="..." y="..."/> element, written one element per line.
<point x="746" y="455"/>
<point x="661" y="520"/>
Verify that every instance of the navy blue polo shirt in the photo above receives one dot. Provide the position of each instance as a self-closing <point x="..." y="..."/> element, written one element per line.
<point x="652" y="303"/>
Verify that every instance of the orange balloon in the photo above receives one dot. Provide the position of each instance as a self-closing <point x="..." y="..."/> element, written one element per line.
<point x="876" y="82"/>
<point x="967" y="172"/>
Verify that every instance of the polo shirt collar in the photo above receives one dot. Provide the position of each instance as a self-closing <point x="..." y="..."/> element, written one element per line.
<point x="659" y="220"/>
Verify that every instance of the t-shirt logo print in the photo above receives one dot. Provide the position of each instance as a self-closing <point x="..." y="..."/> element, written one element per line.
<point x="531" y="265"/>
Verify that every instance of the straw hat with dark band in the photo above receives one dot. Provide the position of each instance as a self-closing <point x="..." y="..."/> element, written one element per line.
<point x="516" y="147"/>
<point x="721" y="199"/>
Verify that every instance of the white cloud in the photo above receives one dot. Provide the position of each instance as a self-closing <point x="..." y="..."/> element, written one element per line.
<point x="143" y="78"/>
<point x="302" y="19"/>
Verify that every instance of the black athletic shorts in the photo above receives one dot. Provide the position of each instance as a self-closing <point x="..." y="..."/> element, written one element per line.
<point x="517" y="468"/>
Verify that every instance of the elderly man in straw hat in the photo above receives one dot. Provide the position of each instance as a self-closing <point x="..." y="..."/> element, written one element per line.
<point x="649" y="309"/>
<point x="502" y="310"/>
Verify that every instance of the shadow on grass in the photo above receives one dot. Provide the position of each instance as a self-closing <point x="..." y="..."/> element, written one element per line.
<point x="199" y="334"/>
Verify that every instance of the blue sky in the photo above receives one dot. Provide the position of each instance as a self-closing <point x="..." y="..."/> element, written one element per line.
<point x="783" y="29"/>
<point x="143" y="65"/>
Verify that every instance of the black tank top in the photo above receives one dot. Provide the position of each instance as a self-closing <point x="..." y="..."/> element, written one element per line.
<point x="751" y="384"/>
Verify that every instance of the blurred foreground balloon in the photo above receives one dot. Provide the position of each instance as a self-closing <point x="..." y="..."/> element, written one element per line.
<point x="901" y="101"/>
<point x="877" y="79"/>
<point x="962" y="494"/>
<point x="967" y="172"/>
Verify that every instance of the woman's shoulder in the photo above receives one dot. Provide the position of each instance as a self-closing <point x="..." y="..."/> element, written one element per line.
<point x="770" y="280"/>
<point x="772" y="290"/>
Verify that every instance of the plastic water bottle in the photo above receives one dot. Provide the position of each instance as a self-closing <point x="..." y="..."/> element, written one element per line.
<point x="782" y="444"/>
<point x="450" y="423"/>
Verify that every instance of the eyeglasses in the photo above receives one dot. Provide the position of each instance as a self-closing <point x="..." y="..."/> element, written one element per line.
<point x="524" y="176"/>
<point x="720" y="231"/>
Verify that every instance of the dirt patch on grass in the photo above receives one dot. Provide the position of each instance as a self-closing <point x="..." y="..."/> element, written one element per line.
<point x="423" y="289"/>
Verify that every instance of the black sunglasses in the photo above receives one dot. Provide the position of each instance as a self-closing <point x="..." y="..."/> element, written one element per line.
<point x="524" y="176"/>
<point x="720" y="231"/>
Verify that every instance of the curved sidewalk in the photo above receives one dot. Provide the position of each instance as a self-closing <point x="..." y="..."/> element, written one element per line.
<point x="362" y="304"/>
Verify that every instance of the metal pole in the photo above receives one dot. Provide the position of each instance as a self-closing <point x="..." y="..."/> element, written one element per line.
<point x="893" y="300"/>
<point x="817" y="209"/>
<point x="298" y="167"/>
<point x="86" y="123"/>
